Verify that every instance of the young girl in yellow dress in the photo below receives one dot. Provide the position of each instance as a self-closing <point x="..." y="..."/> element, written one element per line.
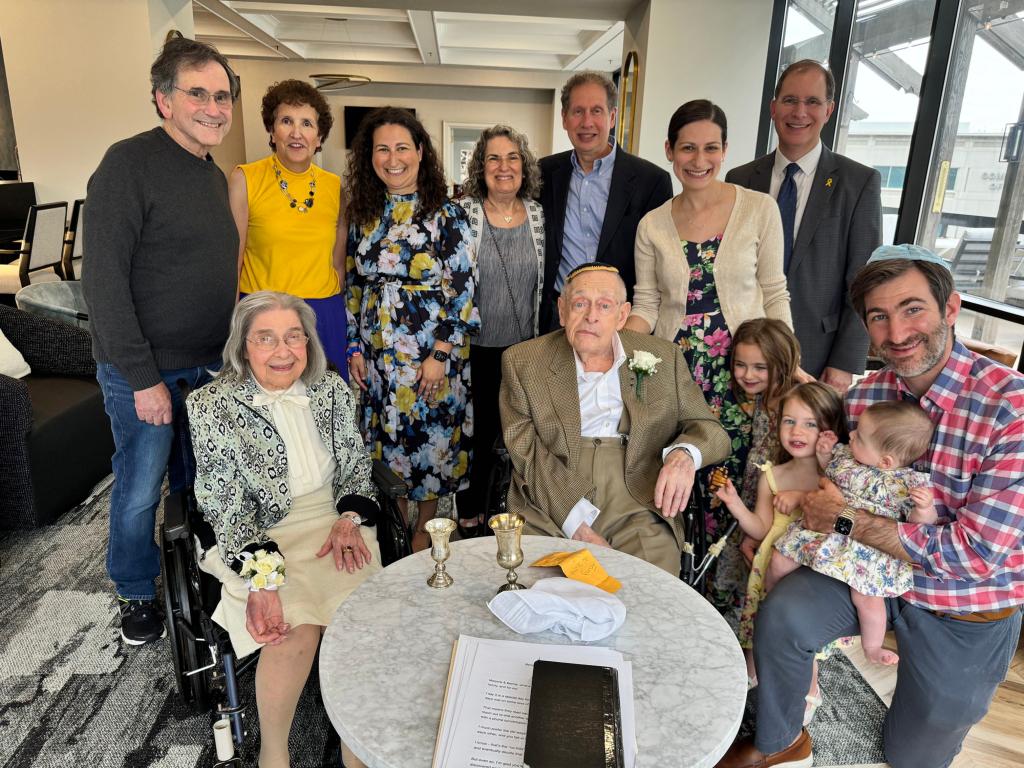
<point x="805" y="411"/>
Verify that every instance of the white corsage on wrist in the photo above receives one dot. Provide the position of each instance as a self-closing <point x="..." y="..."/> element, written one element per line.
<point x="643" y="364"/>
<point x="264" y="570"/>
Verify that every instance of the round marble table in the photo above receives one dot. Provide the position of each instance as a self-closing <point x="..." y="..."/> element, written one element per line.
<point x="384" y="659"/>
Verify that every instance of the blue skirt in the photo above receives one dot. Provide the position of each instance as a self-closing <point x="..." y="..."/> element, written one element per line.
<point x="332" y="328"/>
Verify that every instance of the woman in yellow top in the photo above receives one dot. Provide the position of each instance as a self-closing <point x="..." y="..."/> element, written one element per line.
<point x="288" y="213"/>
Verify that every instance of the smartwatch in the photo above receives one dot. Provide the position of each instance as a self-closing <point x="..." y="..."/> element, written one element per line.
<point x="844" y="523"/>
<point x="441" y="357"/>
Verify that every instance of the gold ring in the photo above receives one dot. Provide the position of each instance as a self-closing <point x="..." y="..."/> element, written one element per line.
<point x="348" y="549"/>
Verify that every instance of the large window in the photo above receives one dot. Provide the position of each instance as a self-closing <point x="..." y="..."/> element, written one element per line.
<point x="979" y="135"/>
<point x="931" y="94"/>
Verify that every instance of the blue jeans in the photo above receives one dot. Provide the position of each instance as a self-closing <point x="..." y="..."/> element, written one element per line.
<point x="143" y="453"/>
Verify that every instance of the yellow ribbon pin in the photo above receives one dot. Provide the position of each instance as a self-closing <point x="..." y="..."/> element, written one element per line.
<point x="828" y="182"/>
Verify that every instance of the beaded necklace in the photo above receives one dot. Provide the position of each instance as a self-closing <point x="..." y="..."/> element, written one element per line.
<point x="306" y="204"/>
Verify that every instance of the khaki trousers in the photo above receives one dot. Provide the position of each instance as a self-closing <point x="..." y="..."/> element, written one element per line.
<point x="626" y="524"/>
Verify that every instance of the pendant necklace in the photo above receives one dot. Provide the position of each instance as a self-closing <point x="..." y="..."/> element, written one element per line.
<point x="306" y="204"/>
<point x="507" y="219"/>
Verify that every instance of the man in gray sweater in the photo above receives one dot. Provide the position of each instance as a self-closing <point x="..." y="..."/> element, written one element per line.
<point x="160" y="282"/>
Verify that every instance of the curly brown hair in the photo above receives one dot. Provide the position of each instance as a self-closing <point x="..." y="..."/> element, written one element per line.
<point x="367" y="192"/>
<point x="475" y="185"/>
<point x="296" y="93"/>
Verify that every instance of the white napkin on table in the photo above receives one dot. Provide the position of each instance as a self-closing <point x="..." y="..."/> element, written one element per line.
<point x="571" y="608"/>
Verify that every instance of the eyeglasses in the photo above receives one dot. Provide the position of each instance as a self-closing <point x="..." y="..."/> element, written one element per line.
<point x="604" y="307"/>
<point x="511" y="157"/>
<point x="811" y="102"/>
<point x="200" y="97"/>
<point x="268" y="341"/>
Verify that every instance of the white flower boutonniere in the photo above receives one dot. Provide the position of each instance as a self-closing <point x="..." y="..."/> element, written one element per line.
<point x="643" y="364"/>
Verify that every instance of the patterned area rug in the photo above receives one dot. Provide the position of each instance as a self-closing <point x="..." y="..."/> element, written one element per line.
<point x="71" y="693"/>
<point x="847" y="728"/>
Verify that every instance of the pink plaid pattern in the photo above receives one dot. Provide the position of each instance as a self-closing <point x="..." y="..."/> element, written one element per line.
<point x="973" y="560"/>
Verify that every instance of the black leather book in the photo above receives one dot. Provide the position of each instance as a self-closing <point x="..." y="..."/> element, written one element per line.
<point x="575" y="719"/>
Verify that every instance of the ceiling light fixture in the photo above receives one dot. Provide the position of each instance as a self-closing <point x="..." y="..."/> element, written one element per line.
<point x="327" y="83"/>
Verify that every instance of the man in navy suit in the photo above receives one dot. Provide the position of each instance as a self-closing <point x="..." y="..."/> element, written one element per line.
<point x="835" y="222"/>
<point x="595" y="194"/>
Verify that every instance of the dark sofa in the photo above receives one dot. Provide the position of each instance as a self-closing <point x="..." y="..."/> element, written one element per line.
<point x="56" y="441"/>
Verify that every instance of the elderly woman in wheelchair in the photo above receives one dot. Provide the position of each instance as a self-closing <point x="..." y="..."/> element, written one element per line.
<point x="285" y="482"/>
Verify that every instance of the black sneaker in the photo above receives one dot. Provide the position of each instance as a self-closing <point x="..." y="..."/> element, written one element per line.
<point x="141" y="621"/>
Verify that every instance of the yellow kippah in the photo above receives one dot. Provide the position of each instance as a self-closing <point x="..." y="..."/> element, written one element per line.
<point x="595" y="266"/>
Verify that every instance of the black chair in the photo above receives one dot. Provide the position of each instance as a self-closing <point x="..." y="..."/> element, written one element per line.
<point x="205" y="668"/>
<point x="55" y="438"/>
<point x="39" y="257"/>
<point x="698" y="557"/>
<point x="73" y="243"/>
<point x="496" y="500"/>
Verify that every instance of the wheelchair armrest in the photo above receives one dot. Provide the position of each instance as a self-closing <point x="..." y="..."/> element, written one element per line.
<point x="390" y="484"/>
<point x="176" y="525"/>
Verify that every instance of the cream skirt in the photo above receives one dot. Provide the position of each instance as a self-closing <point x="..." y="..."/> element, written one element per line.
<point x="314" y="587"/>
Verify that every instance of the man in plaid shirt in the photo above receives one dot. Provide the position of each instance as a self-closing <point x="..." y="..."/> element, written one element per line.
<point x="959" y="625"/>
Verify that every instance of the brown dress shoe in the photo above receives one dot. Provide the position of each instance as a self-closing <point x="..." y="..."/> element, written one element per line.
<point x="743" y="754"/>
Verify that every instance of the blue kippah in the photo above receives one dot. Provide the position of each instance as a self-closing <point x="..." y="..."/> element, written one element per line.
<point x="907" y="251"/>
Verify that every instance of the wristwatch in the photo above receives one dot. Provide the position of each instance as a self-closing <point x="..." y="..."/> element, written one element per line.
<point x="440" y="356"/>
<point x="844" y="523"/>
<point x="354" y="517"/>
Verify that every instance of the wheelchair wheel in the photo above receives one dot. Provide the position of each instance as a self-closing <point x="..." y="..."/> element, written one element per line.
<point x="188" y="646"/>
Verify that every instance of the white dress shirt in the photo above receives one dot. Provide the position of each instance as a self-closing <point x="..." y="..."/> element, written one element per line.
<point x="802" y="178"/>
<point x="600" y="414"/>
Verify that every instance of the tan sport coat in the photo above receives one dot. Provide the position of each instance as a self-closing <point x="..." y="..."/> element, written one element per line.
<point x="540" y="416"/>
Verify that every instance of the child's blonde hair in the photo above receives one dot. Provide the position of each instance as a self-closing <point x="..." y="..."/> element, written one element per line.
<point x="826" y="405"/>
<point x="781" y="351"/>
<point x="902" y="430"/>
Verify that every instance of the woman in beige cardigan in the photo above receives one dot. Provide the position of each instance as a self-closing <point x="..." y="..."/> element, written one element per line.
<point x="708" y="259"/>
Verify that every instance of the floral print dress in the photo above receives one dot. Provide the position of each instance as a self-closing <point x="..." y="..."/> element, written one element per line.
<point x="879" y="491"/>
<point x="705" y="341"/>
<point x="410" y="281"/>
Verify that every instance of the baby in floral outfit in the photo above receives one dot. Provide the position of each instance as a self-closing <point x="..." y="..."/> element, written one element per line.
<point x="874" y="474"/>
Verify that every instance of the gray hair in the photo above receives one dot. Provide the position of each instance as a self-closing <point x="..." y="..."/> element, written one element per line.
<point x="181" y="53"/>
<point x="236" y="362"/>
<point x="475" y="186"/>
<point x="585" y="78"/>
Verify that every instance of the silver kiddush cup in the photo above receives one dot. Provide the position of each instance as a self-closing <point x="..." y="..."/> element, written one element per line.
<point x="440" y="530"/>
<point x="508" y="530"/>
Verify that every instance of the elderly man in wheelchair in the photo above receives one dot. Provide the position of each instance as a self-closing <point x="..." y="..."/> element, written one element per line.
<point x="286" y="485"/>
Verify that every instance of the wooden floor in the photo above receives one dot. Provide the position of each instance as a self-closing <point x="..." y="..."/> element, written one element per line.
<point x="995" y="742"/>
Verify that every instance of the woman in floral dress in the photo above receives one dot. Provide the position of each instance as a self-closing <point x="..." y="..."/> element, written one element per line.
<point x="411" y="277"/>
<point x="706" y="260"/>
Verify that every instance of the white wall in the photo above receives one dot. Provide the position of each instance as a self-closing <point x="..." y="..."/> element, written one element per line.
<point x="522" y="99"/>
<point x="78" y="74"/>
<point x="700" y="49"/>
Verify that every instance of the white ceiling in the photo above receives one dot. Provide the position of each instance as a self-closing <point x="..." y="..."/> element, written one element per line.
<point x="420" y="32"/>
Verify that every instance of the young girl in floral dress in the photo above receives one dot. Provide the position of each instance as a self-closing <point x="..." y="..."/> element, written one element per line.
<point x="765" y="358"/>
<point x="874" y="474"/>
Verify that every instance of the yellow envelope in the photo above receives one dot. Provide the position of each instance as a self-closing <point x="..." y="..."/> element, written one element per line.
<point x="582" y="566"/>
